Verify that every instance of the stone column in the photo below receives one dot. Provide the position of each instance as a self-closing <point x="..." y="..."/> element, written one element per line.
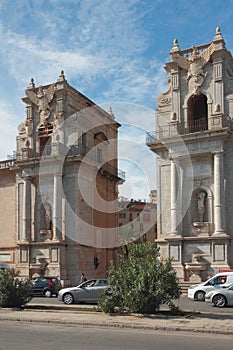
<point x="219" y="197"/>
<point x="57" y="206"/>
<point x="174" y="208"/>
<point x="27" y="209"/>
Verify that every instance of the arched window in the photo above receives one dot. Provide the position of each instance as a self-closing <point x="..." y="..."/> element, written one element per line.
<point x="197" y="113"/>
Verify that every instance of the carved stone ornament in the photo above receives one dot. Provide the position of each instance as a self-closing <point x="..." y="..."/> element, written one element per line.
<point x="42" y="100"/>
<point x="196" y="74"/>
<point x="165" y="98"/>
<point x="25" y="128"/>
<point x="194" y="65"/>
<point x="28" y="127"/>
<point x="58" y="120"/>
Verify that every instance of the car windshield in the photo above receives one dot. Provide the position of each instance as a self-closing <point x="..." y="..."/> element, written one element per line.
<point x="87" y="284"/>
<point x="217" y="280"/>
<point x="94" y="282"/>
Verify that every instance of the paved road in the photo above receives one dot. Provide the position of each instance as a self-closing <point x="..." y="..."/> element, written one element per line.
<point x="50" y="337"/>
<point x="184" y="303"/>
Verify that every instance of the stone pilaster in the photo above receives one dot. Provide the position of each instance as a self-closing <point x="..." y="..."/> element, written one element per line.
<point x="57" y="206"/>
<point x="174" y="208"/>
<point x="27" y="209"/>
<point x="219" y="197"/>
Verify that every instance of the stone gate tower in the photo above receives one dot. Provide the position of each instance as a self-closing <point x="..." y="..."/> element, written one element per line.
<point x="59" y="194"/>
<point x="194" y="146"/>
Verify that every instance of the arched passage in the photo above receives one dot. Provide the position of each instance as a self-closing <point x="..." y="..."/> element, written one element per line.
<point x="197" y="113"/>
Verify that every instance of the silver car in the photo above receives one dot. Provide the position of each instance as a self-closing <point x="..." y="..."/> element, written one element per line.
<point x="220" y="297"/>
<point x="87" y="292"/>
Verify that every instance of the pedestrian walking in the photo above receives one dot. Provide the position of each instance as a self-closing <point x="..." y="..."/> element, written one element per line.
<point x="83" y="278"/>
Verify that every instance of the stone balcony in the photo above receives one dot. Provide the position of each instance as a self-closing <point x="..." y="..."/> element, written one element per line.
<point x="174" y="128"/>
<point x="6" y="164"/>
<point x="28" y="154"/>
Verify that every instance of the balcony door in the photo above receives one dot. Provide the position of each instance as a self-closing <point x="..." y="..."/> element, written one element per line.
<point x="197" y="113"/>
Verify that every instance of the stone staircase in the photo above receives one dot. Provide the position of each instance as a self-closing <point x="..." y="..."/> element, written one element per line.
<point x="184" y="287"/>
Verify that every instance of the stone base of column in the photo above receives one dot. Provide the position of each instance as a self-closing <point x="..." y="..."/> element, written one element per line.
<point x="220" y="234"/>
<point x="174" y="234"/>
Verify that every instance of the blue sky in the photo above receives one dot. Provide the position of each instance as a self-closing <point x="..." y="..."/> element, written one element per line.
<point x="111" y="51"/>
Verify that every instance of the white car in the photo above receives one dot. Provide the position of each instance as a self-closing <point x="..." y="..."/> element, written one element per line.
<point x="87" y="292"/>
<point x="198" y="291"/>
<point x="220" y="298"/>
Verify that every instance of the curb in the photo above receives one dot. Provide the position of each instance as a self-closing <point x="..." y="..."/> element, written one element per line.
<point x="99" y="324"/>
<point x="120" y="326"/>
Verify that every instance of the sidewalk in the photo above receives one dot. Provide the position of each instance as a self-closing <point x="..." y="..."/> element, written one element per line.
<point x="90" y="317"/>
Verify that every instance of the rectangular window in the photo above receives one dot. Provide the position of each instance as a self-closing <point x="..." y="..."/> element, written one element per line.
<point x="146" y="217"/>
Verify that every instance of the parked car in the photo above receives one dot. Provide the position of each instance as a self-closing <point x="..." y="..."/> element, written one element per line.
<point x="220" y="298"/>
<point x="46" y="286"/>
<point x="198" y="291"/>
<point x="89" y="291"/>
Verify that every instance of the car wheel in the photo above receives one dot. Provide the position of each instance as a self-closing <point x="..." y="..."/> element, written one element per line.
<point x="199" y="296"/>
<point x="48" y="293"/>
<point x="219" y="300"/>
<point x="68" y="298"/>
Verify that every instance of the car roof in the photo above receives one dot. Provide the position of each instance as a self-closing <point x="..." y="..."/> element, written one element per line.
<point x="45" y="277"/>
<point x="229" y="273"/>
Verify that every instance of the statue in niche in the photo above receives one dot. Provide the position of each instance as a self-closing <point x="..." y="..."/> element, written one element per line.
<point x="48" y="222"/>
<point x="45" y="213"/>
<point x="201" y="196"/>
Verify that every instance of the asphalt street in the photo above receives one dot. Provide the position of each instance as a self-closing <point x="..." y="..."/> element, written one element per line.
<point x="184" y="303"/>
<point x="49" y="337"/>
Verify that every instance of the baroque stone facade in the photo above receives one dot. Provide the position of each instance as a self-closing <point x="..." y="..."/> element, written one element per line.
<point x="194" y="143"/>
<point x="59" y="196"/>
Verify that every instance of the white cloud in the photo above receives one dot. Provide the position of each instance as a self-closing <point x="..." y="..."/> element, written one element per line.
<point x="100" y="46"/>
<point x="8" y="138"/>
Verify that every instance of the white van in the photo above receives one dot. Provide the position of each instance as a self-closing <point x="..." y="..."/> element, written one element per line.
<point x="220" y="280"/>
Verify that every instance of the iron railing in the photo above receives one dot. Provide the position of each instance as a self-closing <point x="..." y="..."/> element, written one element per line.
<point x="194" y="126"/>
<point x="173" y="129"/>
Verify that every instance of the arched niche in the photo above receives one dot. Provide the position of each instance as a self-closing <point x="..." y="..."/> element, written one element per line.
<point x="45" y="221"/>
<point x="200" y="205"/>
<point x="202" y="211"/>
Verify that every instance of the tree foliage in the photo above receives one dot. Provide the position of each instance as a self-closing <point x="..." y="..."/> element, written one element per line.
<point x="14" y="292"/>
<point x="142" y="282"/>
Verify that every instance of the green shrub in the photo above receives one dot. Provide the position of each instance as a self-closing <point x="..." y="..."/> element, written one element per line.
<point x="142" y="282"/>
<point x="14" y="292"/>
